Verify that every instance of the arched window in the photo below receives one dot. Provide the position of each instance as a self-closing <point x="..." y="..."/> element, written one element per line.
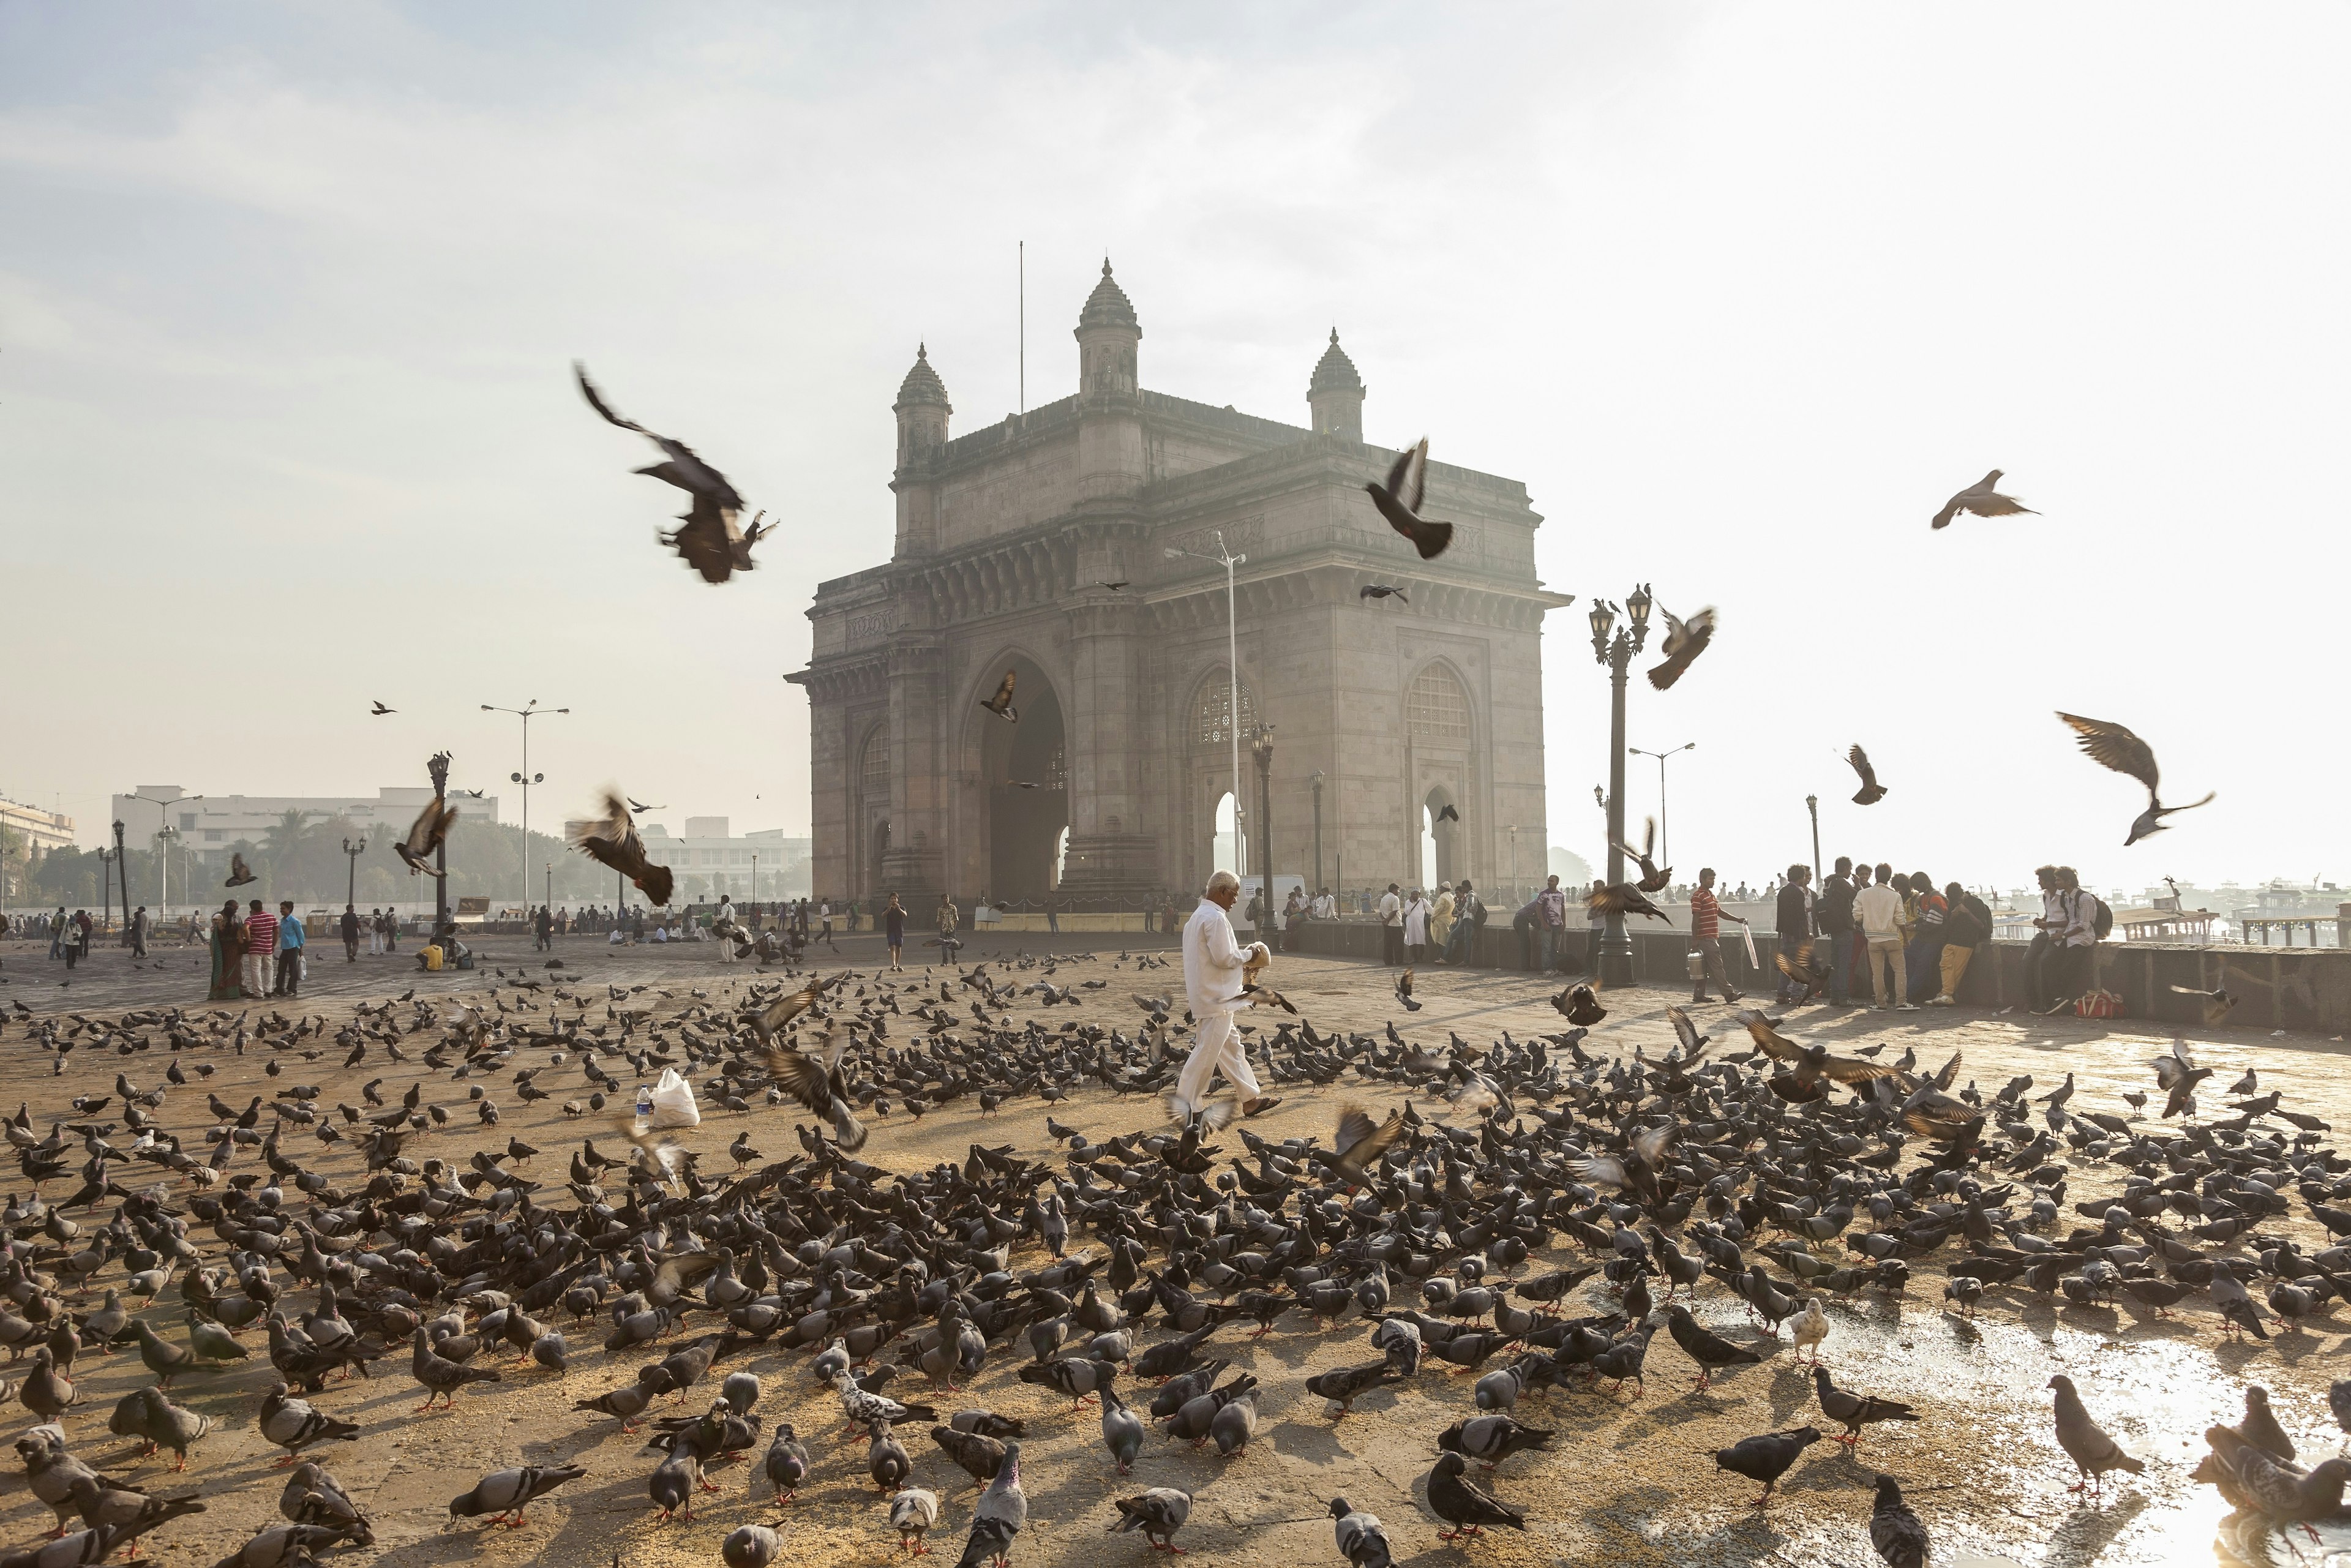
<point x="1212" y="715"/>
<point x="1436" y="708"/>
<point x="873" y="769"/>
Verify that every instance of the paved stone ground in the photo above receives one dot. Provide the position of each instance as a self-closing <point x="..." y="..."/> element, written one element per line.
<point x="1630" y="1479"/>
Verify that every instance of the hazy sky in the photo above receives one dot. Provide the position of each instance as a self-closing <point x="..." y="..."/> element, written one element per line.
<point x="288" y="295"/>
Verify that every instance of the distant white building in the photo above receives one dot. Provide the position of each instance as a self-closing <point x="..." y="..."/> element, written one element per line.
<point x="209" y="824"/>
<point x="40" y="830"/>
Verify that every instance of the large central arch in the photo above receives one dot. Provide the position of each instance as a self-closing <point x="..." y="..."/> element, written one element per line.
<point x="1025" y="787"/>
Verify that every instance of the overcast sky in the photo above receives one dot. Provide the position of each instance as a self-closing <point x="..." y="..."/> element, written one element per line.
<point x="288" y="295"/>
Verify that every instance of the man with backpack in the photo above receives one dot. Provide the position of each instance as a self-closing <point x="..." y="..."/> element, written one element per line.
<point x="2067" y="968"/>
<point x="1967" y="925"/>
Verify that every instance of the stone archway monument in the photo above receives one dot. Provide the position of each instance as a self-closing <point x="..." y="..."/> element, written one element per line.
<point x="1040" y="545"/>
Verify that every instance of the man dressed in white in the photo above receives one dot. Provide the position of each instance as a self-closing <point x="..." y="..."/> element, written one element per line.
<point x="1212" y="982"/>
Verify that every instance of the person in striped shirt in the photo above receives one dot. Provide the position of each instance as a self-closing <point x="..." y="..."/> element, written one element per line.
<point x="260" y="950"/>
<point x="1706" y="931"/>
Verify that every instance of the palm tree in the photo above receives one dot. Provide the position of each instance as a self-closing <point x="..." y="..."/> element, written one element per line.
<point x="289" y="836"/>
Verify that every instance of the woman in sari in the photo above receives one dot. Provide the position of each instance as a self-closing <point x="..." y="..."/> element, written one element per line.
<point x="1440" y="920"/>
<point x="229" y="954"/>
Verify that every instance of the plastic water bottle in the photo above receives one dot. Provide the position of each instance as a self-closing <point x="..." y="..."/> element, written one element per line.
<point x="644" y="1103"/>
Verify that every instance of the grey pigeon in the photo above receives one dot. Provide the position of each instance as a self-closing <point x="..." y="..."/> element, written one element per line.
<point x="1766" y="1458"/>
<point x="911" y="1513"/>
<point x="1464" y="1504"/>
<point x="510" y="1491"/>
<point x="751" y="1546"/>
<point x="1122" y="1430"/>
<point x="2093" y="1452"/>
<point x="1159" y="1513"/>
<point x="1362" y="1540"/>
<point x="1894" y="1530"/>
<point x="1491" y="1439"/>
<point x="787" y="1463"/>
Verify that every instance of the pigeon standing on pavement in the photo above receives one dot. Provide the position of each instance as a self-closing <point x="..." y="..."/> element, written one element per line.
<point x="2085" y="1443"/>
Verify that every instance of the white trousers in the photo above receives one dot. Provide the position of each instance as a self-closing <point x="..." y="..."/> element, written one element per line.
<point x="1217" y="1049"/>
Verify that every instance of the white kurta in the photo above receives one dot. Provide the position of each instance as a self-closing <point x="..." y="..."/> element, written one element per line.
<point x="1212" y="982"/>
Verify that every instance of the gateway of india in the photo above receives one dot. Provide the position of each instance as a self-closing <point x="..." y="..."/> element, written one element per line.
<point x="1010" y="540"/>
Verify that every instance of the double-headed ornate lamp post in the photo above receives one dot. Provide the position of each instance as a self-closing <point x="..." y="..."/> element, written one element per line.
<point x="351" y="882"/>
<point x="1615" y="654"/>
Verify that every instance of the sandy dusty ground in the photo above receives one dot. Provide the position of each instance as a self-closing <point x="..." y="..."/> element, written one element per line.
<point x="1629" y="1481"/>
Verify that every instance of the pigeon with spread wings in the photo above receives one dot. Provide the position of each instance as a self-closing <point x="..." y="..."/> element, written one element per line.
<point x="1811" y="1063"/>
<point x="1684" y="641"/>
<point x="376" y="709"/>
<point x="1871" y="791"/>
<point x="779" y="1014"/>
<point x="238" y="873"/>
<point x="1652" y="879"/>
<point x="712" y="541"/>
<point x="1622" y="898"/>
<point x="1361" y="1143"/>
<point x="2120" y="749"/>
<point x="425" y="836"/>
<point x="1636" y="1169"/>
<point x="611" y="841"/>
<point x="1400" y="499"/>
<point x="819" y="1085"/>
<point x="1000" y="705"/>
<point x="1982" y="500"/>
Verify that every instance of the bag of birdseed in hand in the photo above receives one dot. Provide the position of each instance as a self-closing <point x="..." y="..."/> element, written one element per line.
<point x="674" y="1102"/>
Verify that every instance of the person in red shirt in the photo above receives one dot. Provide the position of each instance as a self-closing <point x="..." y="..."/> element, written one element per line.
<point x="1705" y="930"/>
<point x="260" y="950"/>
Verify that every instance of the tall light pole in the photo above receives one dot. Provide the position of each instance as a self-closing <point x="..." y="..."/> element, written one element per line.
<point x="352" y="879"/>
<point x="1813" y="804"/>
<point x="165" y="837"/>
<point x="162" y="826"/>
<point x="106" y="861"/>
<point x="1664" y="838"/>
<point x="1317" y="782"/>
<point x="1228" y="561"/>
<point x="1616" y="655"/>
<point x="526" y="713"/>
<point x="123" y="870"/>
<point x="1263" y="749"/>
<point x="1515" y="889"/>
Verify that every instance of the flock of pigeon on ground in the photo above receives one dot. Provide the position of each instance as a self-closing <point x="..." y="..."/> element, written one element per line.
<point x="1545" y="1183"/>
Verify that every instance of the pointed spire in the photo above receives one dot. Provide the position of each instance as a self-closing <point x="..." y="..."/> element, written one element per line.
<point x="1108" y="305"/>
<point x="922" y="385"/>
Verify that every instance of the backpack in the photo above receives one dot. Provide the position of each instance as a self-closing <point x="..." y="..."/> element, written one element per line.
<point x="2102" y="922"/>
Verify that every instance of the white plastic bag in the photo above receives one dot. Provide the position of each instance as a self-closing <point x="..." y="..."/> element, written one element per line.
<point x="674" y="1102"/>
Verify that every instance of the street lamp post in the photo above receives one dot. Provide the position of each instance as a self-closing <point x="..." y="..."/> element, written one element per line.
<point x="526" y="713"/>
<point x="1616" y="655"/>
<point x="1665" y="836"/>
<point x="438" y="767"/>
<point x="1263" y="749"/>
<point x="1316" y="782"/>
<point x="1515" y="888"/>
<point x="1813" y="804"/>
<point x="123" y="870"/>
<point x="106" y="861"/>
<point x="1228" y="561"/>
<point x="165" y="837"/>
<point x="162" y="826"/>
<point x="352" y="880"/>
